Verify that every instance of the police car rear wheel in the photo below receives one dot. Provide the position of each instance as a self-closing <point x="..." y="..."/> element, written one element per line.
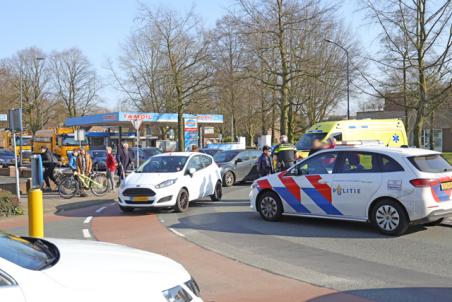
<point x="389" y="217"/>
<point x="270" y="206"/>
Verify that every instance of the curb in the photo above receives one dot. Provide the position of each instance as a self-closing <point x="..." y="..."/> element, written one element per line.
<point x="80" y="205"/>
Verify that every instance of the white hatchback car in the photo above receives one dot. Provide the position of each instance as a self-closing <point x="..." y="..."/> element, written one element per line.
<point x="171" y="180"/>
<point x="389" y="187"/>
<point x="54" y="270"/>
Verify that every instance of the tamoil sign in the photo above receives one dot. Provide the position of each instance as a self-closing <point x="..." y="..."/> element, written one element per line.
<point x="137" y="116"/>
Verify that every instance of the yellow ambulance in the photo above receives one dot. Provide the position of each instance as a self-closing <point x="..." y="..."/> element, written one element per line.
<point x="390" y="132"/>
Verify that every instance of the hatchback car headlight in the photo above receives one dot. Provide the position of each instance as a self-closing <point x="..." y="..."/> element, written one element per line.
<point x="166" y="183"/>
<point x="177" y="294"/>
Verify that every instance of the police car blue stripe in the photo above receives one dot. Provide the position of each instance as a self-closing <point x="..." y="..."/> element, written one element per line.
<point x="321" y="201"/>
<point x="442" y="195"/>
<point x="291" y="200"/>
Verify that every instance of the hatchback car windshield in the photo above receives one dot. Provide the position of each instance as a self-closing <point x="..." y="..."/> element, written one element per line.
<point x="431" y="163"/>
<point x="225" y="156"/>
<point x="33" y="255"/>
<point x="305" y="142"/>
<point x="163" y="164"/>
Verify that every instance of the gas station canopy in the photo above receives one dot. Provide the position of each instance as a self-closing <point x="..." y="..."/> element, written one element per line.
<point x="125" y="119"/>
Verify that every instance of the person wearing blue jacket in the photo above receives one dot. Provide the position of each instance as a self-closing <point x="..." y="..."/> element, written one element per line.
<point x="264" y="163"/>
<point x="73" y="160"/>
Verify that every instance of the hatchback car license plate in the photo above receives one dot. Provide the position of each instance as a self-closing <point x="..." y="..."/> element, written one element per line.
<point x="446" y="185"/>
<point x="140" y="198"/>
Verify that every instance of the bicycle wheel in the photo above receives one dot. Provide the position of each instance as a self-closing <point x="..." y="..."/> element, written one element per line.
<point x="68" y="187"/>
<point x="99" y="184"/>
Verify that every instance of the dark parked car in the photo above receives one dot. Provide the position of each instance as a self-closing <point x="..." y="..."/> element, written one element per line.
<point x="6" y="158"/>
<point x="99" y="158"/>
<point x="210" y="151"/>
<point x="145" y="153"/>
<point x="237" y="165"/>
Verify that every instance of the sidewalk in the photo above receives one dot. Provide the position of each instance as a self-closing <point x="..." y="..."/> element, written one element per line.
<point x="53" y="203"/>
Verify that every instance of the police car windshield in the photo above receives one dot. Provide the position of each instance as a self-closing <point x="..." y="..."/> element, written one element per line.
<point x="163" y="164"/>
<point x="225" y="156"/>
<point x="431" y="163"/>
<point x="305" y="142"/>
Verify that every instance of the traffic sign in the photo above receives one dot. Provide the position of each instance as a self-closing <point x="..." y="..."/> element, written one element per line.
<point x="15" y="119"/>
<point x="136" y="123"/>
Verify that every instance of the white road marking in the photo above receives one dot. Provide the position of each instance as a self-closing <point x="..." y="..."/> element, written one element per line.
<point x="88" y="219"/>
<point x="100" y="209"/>
<point x="161" y="220"/>
<point x="176" y="232"/>
<point x="86" y="233"/>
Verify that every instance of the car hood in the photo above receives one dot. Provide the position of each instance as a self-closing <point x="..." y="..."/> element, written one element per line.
<point x="146" y="179"/>
<point x="94" y="265"/>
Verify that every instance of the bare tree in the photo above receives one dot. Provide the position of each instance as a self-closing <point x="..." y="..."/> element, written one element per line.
<point x="74" y="81"/>
<point x="184" y="50"/>
<point x="28" y="65"/>
<point x="420" y="32"/>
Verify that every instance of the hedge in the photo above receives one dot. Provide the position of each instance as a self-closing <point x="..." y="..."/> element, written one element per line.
<point x="9" y="204"/>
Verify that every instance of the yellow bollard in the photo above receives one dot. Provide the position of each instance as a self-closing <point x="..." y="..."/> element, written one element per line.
<point x="35" y="214"/>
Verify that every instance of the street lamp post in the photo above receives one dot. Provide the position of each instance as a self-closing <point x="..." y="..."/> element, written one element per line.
<point x="348" y="73"/>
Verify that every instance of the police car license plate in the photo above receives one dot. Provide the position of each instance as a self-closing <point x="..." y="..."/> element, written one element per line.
<point x="446" y="186"/>
<point x="140" y="198"/>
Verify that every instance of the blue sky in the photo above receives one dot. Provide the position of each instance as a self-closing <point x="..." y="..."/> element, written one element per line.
<point x="98" y="27"/>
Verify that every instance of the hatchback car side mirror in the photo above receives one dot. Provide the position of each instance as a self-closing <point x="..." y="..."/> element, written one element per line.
<point x="238" y="160"/>
<point x="191" y="171"/>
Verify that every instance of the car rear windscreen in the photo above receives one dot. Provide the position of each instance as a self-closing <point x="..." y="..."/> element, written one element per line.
<point x="434" y="163"/>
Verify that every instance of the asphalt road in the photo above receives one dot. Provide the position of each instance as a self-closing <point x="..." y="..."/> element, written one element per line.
<point x="345" y="256"/>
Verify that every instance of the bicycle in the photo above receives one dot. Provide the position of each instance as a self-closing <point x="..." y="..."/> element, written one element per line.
<point x="69" y="186"/>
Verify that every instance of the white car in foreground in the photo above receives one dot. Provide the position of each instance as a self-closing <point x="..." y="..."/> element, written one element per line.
<point x="388" y="187"/>
<point x="171" y="180"/>
<point x="37" y="270"/>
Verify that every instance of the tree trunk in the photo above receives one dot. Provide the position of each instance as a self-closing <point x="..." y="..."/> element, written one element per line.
<point x="430" y="141"/>
<point x="284" y="91"/>
<point x="290" y="124"/>
<point x="421" y="38"/>
<point x="180" y="128"/>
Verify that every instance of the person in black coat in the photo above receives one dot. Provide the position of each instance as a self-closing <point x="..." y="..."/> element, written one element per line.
<point x="49" y="163"/>
<point x="264" y="163"/>
<point x="124" y="158"/>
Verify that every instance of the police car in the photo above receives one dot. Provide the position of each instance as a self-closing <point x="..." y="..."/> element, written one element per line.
<point x="388" y="187"/>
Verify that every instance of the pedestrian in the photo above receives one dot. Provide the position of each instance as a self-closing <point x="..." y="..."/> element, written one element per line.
<point x="194" y="148"/>
<point x="316" y="146"/>
<point x="284" y="154"/>
<point x="73" y="160"/>
<point x="124" y="159"/>
<point x="111" y="167"/>
<point x="264" y="163"/>
<point x="49" y="163"/>
<point x="84" y="167"/>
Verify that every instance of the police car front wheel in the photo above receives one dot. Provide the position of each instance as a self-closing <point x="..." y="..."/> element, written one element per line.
<point x="389" y="217"/>
<point x="270" y="206"/>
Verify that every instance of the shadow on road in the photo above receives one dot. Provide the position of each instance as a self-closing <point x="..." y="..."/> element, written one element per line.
<point x="412" y="294"/>
<point x="251" y="223"/>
